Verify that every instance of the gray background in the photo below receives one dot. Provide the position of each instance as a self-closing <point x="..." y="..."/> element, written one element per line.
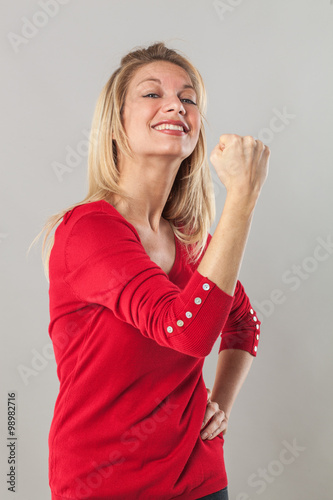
<point x="258" y="59"/>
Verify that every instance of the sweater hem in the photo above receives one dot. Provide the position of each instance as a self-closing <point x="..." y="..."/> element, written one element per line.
<point x="200" y="491"/>
<point x="204" y="489"/>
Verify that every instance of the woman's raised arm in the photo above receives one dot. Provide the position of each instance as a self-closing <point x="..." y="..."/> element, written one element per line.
<point x="242" y="166"/>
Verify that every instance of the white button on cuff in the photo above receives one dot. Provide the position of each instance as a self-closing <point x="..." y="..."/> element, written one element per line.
<point x="257" y="337"/>
<point x="169" y="329"/>
<point x="180" y="322"/>
<point x="257" y="327"/>
<point x="197" y="300"/>
<point x="188" y="314"/>
<point x="255" y="348"/>
<point x="254" y="318"/>
<point x="251" y="311"/>
<point x="206" y="286"/>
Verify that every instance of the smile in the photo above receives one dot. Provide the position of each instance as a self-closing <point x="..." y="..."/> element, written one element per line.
<point x="168" y="126"/>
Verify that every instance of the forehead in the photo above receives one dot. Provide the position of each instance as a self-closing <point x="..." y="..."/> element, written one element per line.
<point x="163" y="71"/>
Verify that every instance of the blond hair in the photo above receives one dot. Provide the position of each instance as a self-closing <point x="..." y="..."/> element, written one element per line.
<point x="190" y="207"/>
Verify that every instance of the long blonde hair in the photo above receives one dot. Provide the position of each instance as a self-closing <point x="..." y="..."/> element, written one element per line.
<point x="190" y="207"/>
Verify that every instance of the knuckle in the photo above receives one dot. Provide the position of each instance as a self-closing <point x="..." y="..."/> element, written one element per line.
<point x="249" y="140"/>
<point x="217" y="430"/>
<point x="215" y="406"/>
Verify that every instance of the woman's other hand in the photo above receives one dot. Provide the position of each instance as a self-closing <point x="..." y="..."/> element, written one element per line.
<point x="215" y="420"/>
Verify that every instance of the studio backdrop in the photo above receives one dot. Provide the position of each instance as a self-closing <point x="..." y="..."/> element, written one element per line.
<point x="267" y="68"/>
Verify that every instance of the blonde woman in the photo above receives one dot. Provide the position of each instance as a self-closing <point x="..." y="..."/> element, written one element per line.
<point x="140" y="292"/>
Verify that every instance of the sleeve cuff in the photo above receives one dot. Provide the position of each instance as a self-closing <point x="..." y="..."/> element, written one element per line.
<point x="244" y="336"/>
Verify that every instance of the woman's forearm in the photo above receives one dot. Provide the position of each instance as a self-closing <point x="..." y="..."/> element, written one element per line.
<point x="241" y="164"/>
<point x="222" y="260"/>
<point x="232" y="368"/>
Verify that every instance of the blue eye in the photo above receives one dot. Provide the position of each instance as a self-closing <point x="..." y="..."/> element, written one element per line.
<point x="188" y="100"/>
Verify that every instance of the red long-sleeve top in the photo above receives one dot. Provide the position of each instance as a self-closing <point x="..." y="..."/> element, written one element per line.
<point x="130" y="343"/>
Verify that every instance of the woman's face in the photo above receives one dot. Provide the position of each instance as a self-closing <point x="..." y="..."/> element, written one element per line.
<point x="161" y="93"/>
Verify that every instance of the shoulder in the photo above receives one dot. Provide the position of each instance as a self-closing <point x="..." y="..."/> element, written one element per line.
<point x="92" y="207"/>
<point x="95" y="216"/>
<point x="93" y="224"/>
<point x="91" y="229"/>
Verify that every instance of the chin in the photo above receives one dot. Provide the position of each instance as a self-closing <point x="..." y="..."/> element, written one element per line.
<point x="177" y="152"/>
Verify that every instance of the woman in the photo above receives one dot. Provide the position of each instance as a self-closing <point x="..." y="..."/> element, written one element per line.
<point x="140" y="292"/>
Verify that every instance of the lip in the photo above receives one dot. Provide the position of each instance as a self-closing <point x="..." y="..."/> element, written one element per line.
<point x="173" y="122"/>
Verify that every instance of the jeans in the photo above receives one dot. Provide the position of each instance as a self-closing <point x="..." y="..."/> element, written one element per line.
<point x="218" y="495"/>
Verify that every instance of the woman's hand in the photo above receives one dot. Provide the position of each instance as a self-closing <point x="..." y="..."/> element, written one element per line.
<point x="215" y="418"/>
<point x="241" y="163"/>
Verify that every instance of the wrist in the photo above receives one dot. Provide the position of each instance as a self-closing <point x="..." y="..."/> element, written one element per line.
<point x="243" y="201"/>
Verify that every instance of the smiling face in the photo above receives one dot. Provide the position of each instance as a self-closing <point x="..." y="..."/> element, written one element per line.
<point x="160" y="115"/>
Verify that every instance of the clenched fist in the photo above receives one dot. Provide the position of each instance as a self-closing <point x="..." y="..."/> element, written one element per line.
<point x="241" y="163"/>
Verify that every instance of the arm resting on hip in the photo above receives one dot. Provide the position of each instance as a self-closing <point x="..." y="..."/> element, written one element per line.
<point x="232" y="368"/>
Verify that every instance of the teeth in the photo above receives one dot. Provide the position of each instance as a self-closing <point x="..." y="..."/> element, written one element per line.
<point x="168" y="126"/>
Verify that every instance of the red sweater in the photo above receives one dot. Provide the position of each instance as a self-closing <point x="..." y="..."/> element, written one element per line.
<point x="130" y="342"/>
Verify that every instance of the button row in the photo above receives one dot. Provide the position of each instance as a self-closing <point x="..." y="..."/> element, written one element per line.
<point x="188" y="314"/>
<point x="255" y="319"/>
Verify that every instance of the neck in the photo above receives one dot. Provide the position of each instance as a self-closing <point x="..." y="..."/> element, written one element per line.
<point x="148" y="181"/>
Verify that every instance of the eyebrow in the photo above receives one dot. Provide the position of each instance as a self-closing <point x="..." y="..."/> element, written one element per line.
<point x="185" y="86"/>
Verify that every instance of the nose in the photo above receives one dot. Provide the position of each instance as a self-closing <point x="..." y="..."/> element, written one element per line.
<point x="174" y="104"/>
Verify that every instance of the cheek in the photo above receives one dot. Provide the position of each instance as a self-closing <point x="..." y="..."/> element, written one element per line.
<point x="196" y="121"/>
<point x="140" y="118"/>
